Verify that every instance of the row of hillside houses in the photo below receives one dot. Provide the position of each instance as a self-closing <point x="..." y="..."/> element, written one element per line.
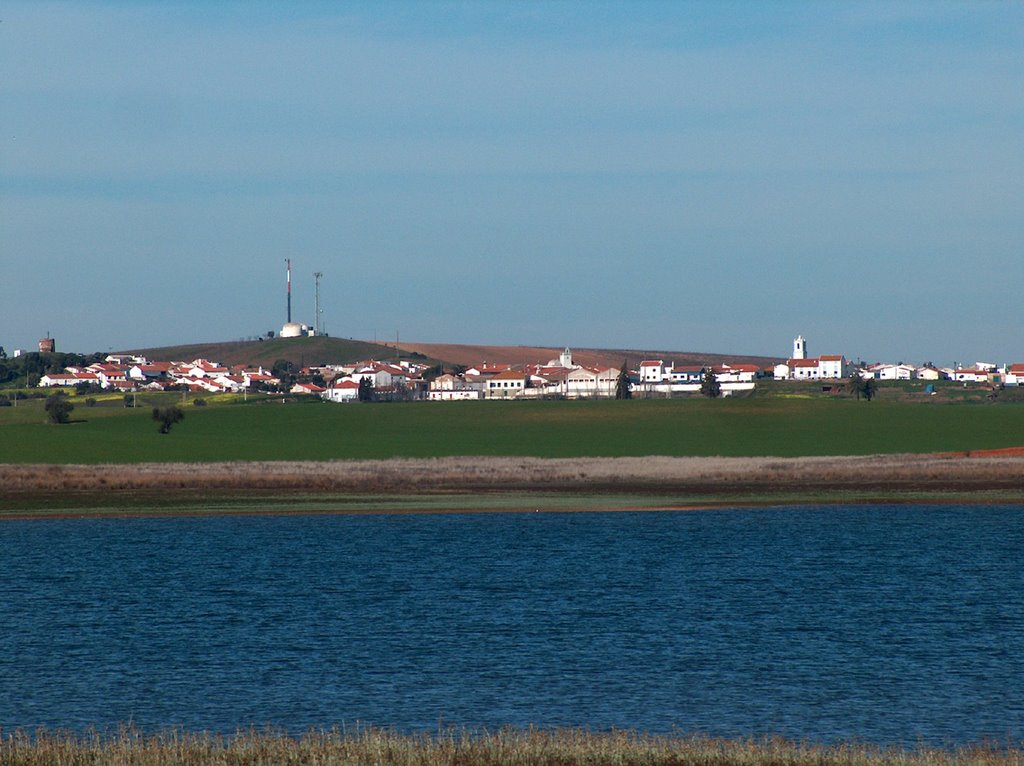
<point x="835" y="367"/>
<point x="558" y="378"/>
<point x="563" y="378"/>
<point x="401" y="380"/>
<point x="981" y="372"/>
<point x="131" y="373"/>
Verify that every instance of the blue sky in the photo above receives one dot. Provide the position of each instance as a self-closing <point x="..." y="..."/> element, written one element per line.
<point x="703" y="176"/>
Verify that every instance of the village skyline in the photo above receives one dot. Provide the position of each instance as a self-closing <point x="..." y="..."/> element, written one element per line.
<point x="561" y="377"/>
<point x="799" y="348"/>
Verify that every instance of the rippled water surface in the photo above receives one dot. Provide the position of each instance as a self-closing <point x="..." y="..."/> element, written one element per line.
<point x="884" y="624"/>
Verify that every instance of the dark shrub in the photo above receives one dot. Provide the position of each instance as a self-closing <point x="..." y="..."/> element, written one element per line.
<point x="167" y="417"/>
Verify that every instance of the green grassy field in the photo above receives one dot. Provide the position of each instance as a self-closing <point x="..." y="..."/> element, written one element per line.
<point x="270" y="430"/>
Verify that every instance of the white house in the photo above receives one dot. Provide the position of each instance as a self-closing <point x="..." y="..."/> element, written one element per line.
<point x="547" y="382"/>
<point x="970" y="375"/>
<point x="201" y="368"/>
<point x="448" y="388"/>
<point x="833" y="366"/>
<point x="342" y="391"/>
<point x="506" y="385"/>
<point x="581" y="383"/>
<point x="736" y="373"/>
<point x="68" y="379"/>
<point x="690" y="374"/>
<point x="820" y="368"/>
<point x="488" y="369"/>
<point x="1014" y="375"/>
<point x="928" y="373"/>
<point x="125" y="360"/>
<point x="380" y="375"/>
<point x="889" y="372"/>
<point x="454" y="395"/>
<point x="654" y="371"/>
<point x="147" y="372"/>
<point x="447" y="382"/>
<point x="307" y="388"/>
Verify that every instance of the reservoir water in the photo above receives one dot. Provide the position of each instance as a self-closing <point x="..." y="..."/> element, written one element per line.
<point x="891" y="625"/>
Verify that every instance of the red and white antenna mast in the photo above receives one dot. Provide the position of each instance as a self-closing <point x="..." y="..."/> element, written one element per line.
<point x="288" y="262"/>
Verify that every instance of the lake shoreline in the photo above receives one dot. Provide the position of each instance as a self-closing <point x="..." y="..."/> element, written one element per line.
<point x="497" y="484"/>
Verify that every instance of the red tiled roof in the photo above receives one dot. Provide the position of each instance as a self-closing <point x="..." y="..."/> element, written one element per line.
<point x="510" y="375"/>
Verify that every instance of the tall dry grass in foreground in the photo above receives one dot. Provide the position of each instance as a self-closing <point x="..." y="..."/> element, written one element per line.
<point x="510" y="746"/>
<point x="482" y="474"/>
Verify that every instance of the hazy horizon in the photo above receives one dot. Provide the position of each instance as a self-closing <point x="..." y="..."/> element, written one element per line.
<point x="707" y="175"/>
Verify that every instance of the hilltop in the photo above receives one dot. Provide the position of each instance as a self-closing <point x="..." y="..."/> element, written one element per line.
<point x="327" y="350"/>
<point x="303" y="351"/>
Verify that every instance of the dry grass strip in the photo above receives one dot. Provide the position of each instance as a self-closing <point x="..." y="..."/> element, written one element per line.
<point x="476" y="474"/>
<point x="510" y="746"/>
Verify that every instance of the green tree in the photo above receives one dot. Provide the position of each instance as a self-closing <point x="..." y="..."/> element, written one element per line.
<point x="623" y="386"/>
<point x="167" y="417"/>
<point x="365" y="389"/>
<point x="401" y="393"/>
<point x="855" y="384"/>
<point x="870" y="389"/>
<point x="58" y="408"/>
<point x="284" y="371"/>
<point x="861" y="387"/>
<point x="709" y="385"/>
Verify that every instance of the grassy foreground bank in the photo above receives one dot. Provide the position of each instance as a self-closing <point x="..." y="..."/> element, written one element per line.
<point x="535" y="747"/>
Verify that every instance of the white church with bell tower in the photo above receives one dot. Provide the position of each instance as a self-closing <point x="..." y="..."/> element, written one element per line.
<point x="802" y="367"/>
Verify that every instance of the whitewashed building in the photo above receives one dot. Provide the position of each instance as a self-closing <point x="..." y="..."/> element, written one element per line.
<point x="450" y="388"/>
<point x="826" y="367"/>
<point x="506" y="385"/>
<point x="889" y="372"/>
<point x="971" y="375"/>
<point x="654" y="371"/>
<point x="342" y="391"/>
<point x="593" y="382"/>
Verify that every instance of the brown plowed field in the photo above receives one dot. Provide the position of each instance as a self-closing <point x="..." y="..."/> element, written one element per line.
<point x="469" y="355"/>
